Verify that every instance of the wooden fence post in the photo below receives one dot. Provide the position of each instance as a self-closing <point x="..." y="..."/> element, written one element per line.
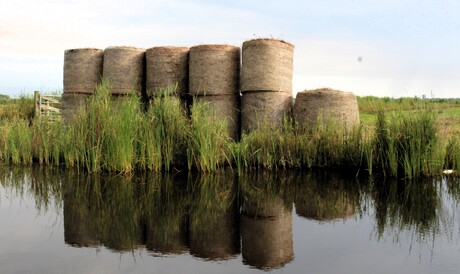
<point x="36" y="103"/>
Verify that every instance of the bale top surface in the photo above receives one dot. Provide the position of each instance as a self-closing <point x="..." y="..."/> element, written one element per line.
<point x="214" y="47"/>
<point x="323" y="91"/>
<point x="168" y="49"/>
<point x="83" y="49"/>
<point x="124" y="47"/>
<point x="268" y="41"/>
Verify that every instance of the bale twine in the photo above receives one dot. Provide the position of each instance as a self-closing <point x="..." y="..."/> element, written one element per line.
<point x="312" y="105"/>
<point x="124" y="69"/>
<point x="262" y="109"/>
<point x="267" y="65"/>
<point x="214" y="70"/>
<point x="267" y="243"/>
<point x="82" y="70"/>
<point x="70" y="103"/>
<point x="225" y="107"/>
<point x="165" y="67"/>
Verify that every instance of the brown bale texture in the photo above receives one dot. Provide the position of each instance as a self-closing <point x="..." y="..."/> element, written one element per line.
<point x="124" y="69"/>
<point x="310" y="105"/>
<point x="165" y="67"/>
<point x="267" y="243"/>
<point x="225" y="107"/>
<point x="214" y="70"/>
<point x="70" y="103"/>
<point x="82" y="70"/>
<point x="267" y="65"/>
<point x="259" y="109"/>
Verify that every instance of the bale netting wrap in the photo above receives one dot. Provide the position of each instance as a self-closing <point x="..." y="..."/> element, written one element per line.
<point x="166" y="67"/>
<point x="267" y="243"/>
<point x="214" y="70"/>
<point x="312" y="106"/>
<point x="225" y="107"/>
<point x="264" y="109"/>
<point x="124" y="69"/>
<point x="82" y="70"/>
<point x="71" y="103"/>
<point x="267" y="65"/>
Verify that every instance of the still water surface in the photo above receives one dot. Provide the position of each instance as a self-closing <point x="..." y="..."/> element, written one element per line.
<point x="54" y="221"/>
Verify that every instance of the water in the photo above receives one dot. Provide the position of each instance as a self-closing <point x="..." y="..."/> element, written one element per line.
<point x="54" y="221"/>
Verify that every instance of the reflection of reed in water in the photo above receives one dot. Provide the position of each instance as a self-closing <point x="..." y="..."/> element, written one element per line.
<point x="101" y="210"/>
<point x="325" y="197"/>
<point x="266" y="222"/>
<point x="213" y="218"/>
<point x="165" y="208"/>
<point x="81" y="220"/>
<point x="411" y="205"/>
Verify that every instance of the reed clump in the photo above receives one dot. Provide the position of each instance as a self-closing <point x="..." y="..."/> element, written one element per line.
<point x="122" y="134"/>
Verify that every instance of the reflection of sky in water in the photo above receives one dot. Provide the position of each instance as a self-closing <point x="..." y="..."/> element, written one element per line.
<point x="32" y="241"/>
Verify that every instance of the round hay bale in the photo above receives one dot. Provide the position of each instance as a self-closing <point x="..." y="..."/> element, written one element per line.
<point x="166" y="67"/>
<point x="312" y="105"/>
<point x="267" y="65"/>
<point x="124" y="69"/>
<point x="82" y="70"/>
<point x="70" y="103"/>
<point x="264" y="109"/>
<point x="267" y="243"/>
<point x="214" y="70"/>
<point x="225" y="107"/>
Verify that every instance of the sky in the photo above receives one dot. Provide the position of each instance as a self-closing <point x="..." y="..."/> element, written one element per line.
<point x="394" y="48"/>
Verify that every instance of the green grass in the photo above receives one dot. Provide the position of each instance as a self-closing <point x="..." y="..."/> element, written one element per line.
<point x="396" y="138"/>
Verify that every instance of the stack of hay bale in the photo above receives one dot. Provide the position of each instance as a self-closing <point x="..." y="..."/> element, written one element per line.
<point x="82" y="73"/>
<point x="214" y="79"/>
<point x="124" y="69"/>
<point x="167" y="68"/>
<point x="266" y="83"/>
<point x="313" y="106"/>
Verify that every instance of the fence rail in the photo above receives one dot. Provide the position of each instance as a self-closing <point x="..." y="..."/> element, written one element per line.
<point x="47" y="106"/>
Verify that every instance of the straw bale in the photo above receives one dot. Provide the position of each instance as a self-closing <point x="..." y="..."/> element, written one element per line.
<point x="267" y="65"/>
<point x="70" y="103"/>
<point x="214" y="70"/>
<point x="267" y="243"/>
<point x="312" y="104"/>
<point x="82" y="70"/>
<point x="225" y="107"/>
<point x="124" y="69"/>
<point x="259" y="109"/>
<point x="165" y="67"/>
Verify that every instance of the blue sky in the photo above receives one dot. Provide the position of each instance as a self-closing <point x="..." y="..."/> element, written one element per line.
<point x="406" y="48"/>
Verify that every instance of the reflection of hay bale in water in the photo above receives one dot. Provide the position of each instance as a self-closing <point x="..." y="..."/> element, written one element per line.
<point x="167" y="66"/>
<point x="267" y="65"/>
<point x="214" y="236"/>
<point x="267" y="243"/>
<point x="82" y="70"/>
<point x="214" y="70"/>
<point x="124" y="69"/>
<point x="259" y="109"/>
<point x="324" y="208"/>
<point x="312" y="104"/>
<point x="263" y="206"/>
<point x="225" y="107"/>
<point x="168" y="238"/>
<point x="70" y="103"/>
<point x="79" y="225"/>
